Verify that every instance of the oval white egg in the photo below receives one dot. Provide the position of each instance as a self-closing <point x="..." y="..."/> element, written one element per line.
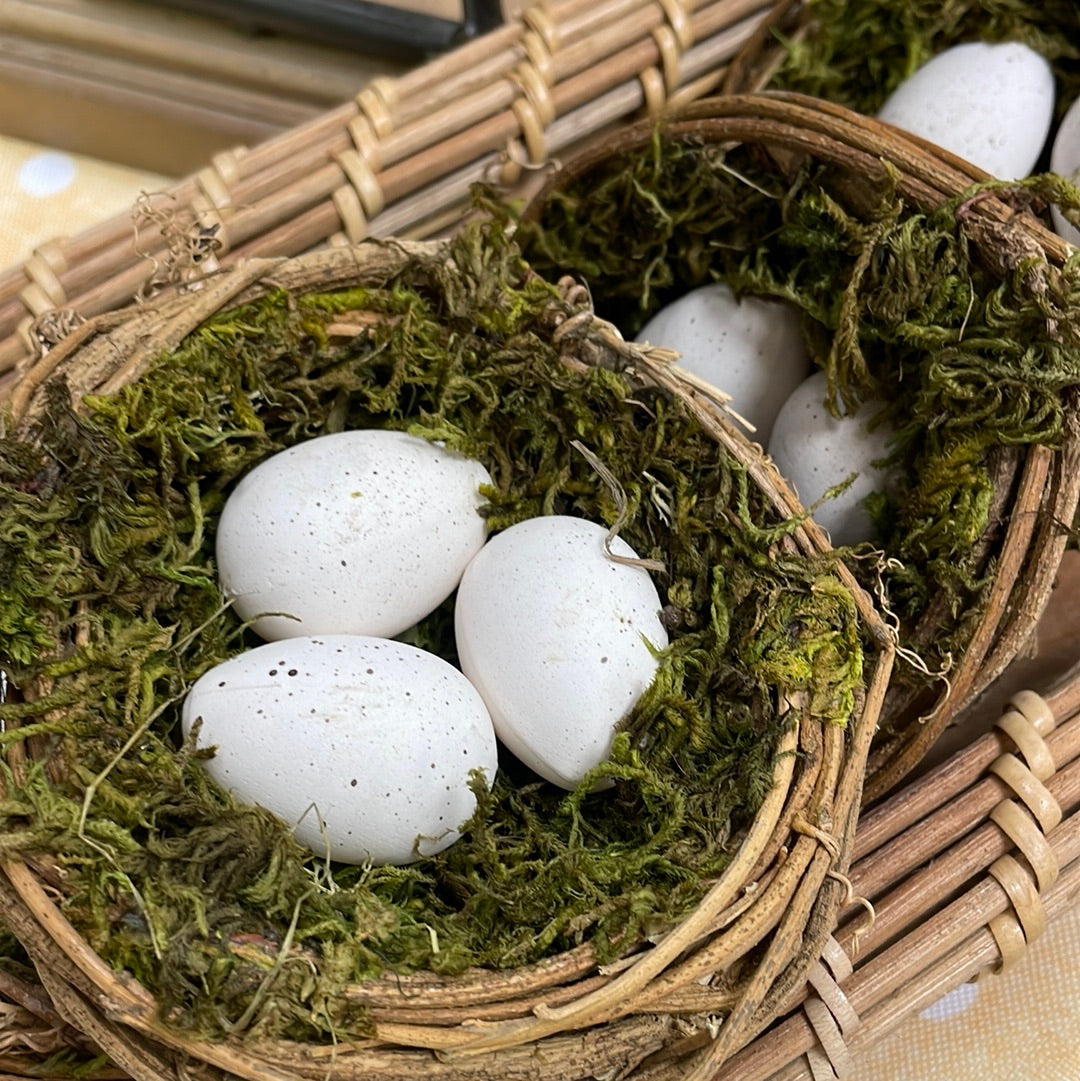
<point x="750" y="348"/>
<point x="556" y="637"/>
<point x="814" y="451"/>
<point x="361" y="532"/>
<point x="990" y="104"/>
<point x="373" y="736"/>
<point x="1065" y="161"/>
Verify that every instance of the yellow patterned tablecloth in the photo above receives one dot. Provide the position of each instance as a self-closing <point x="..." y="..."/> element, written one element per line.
<point x="1021" y="1026"/>
<point x="46" y="194"/>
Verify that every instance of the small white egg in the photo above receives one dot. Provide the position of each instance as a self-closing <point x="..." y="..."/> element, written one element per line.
<point x="989" y="104"/>
<point x="814" y="451"/>
<point x="749" y="348"/>
<point x="374" y="737"/>
<point x="361" y="532"/>
<point x="1065" y="161"/>
<point x="558" y="639"/>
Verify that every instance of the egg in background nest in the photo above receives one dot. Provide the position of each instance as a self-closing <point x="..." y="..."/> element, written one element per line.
<point x="750" y="348"/>
<point x="991" y="105"/>
<point x="1065" y="160"/>
<point x="374" y="738"/>
<point x="815" y="451"/>
<point x="559" y="639"/>
<point x="360" y="532"/>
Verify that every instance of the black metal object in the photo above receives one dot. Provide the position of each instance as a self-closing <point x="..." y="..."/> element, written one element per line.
<point x="354" y="24"/>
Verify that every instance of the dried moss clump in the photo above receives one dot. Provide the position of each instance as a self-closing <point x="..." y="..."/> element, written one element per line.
<point x="111" y="609"/>
<point x="898" y="306"/>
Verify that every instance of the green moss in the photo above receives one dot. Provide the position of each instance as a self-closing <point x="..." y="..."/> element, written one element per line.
<point x="858" y="51"/>
<point x="106" y="551"/>
<point x="897" y="305"/>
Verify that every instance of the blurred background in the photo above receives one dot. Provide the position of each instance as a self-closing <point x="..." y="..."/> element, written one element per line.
<point x="103" y="99"/>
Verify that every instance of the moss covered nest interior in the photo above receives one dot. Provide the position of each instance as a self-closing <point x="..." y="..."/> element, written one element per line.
<point x="110" y="609"/>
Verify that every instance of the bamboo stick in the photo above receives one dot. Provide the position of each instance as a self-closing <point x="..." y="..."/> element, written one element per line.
<point x="450" y="77"/>
<point x="915" y="802"/>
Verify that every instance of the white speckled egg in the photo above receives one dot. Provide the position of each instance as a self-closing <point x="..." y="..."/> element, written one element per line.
<point x="990" y="104"/>
<point x="376" y="736"/>
<point x="361" y="532"/>
<point x="1065" y="160"/>
<point x="814" y="451"/>
<point x="749" y="348"/>
<point x="556" y="637"/>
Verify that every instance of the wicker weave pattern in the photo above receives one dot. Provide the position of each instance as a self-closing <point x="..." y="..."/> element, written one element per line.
<point x="400" y="158"/>
<point x="1000" y="838"/>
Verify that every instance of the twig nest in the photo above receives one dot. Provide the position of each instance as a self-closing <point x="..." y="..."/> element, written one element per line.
<point x="688" y="866"/>
<point x="925" y="293"/>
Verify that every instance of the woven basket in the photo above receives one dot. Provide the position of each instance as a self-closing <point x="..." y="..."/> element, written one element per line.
<point x="1037" y="487"/>
<point x="730" y="963"/>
